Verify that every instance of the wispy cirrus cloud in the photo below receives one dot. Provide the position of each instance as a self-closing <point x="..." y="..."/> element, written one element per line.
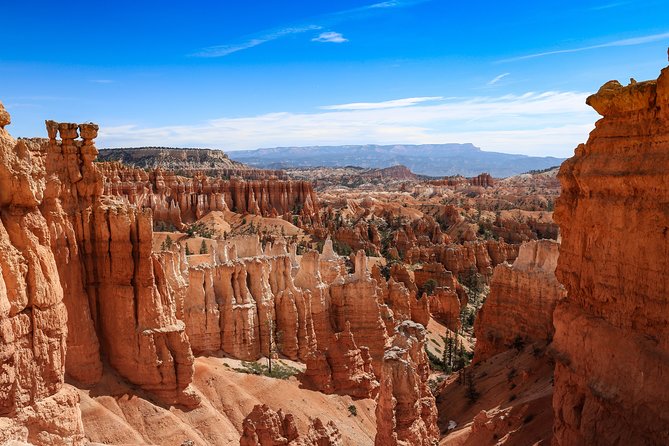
<point x="330" y="37"/>
<point x="395" y="103"/>
<point x="316" y="23"/>
<point x="548" y="123"/>
<point x="609" y="6"/>
<point x="496" y="79"/>
<point x="615" y="43"/>
<point x="224" y="50"/>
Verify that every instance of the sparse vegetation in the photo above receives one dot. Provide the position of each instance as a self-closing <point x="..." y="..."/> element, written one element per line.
<point x="429" y="287"/>
<point x="167" y="244"/>
<point x="199" y="229"/>
<point x="353" y="410"/>
<point x="279" y="370"/>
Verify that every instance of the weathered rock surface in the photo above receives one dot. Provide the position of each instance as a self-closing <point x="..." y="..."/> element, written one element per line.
<point x="406" y="413"/>
<point x="265" y="427"/>
<point x="237" y="305"/>
<point x="342" y="368"/>
<point x="35" y="405"/>
<point x="69" y="251"/>
<point x="520" y="305"/>
<point x="612" y="331"/>
<point x="177" y="200"/>
<point x="355" y="300"/>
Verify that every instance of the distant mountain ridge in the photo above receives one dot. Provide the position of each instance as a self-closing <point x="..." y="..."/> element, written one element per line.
<point x="426" y="159"/>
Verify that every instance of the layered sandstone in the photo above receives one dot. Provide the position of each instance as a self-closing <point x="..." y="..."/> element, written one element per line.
<point x="243" y="306"/>
<point x="406" y="414"/>
<point x="612" y="330"/>
<point x="519" y="307"/>
<point x="178" y="200"/>
<point x="342" y="368"/>
<point x="76" y="261"/>
<point x="265" y="427"/>
<point x="188" y="161"/>
<point x="356" y="300"/>
<point x="35" y="405"/>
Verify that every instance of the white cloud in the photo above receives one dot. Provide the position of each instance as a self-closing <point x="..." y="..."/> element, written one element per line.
<point x="549" y="123"/>
<point x="318" y="22"/>
<point x="616" y="43"/>
<point x="385" y="104"/>
<point x="498" y="78"/>
<point x="224" y="50"/>
<point x="331" y="37"/>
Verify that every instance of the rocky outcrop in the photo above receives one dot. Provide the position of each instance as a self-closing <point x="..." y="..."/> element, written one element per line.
<point x="265" y="427"/>
<point x="519" y="308"/>
<point x="612" y="330"/>
<point x="178" y="200"/>
<point x="237" y="306"/>
<point x="406" y="413"/>
<point x="76" y="261"/>
<point x="342" y="368"/>
<point x="35" y="405"/>
<point x="355" y="299"/>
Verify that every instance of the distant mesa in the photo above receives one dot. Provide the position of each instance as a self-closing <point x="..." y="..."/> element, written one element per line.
<point x="436" y="160"/>
<point x="186" y="161"/>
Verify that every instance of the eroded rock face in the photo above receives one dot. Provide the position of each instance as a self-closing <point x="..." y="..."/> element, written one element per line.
<point x="522" y="298"/>
<point x="356" y="300"/>
<point x="406" y="413"/>
<point x="76" y="261"/>
<point x="35" y="405"/>
<point x="342" y="368"/>
<point x="237" y="305"/>
<point x="177" y="200"/>
<point x="265" y="427"/>
<point x="612" y="330"/>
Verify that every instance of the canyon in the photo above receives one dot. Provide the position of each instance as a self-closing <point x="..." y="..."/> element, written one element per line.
<point x="173" y="296"/>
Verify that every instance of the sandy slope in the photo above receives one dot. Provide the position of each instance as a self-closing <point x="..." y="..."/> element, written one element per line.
<point x="516" y="392"/>
<point x="114" y="413"/>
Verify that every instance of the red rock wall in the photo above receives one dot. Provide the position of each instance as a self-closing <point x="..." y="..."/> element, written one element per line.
<point x="35" y="404"/>
<point x="521" y="301"/>
<point x="180" y="200"/>
<point x="612" y="331"/>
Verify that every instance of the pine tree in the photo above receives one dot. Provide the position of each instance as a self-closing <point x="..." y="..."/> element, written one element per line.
<point x="471" y="392"/>
<point x="167" y="244"/>
<point x="188" y="251"/>
<point x="203" y="248"/>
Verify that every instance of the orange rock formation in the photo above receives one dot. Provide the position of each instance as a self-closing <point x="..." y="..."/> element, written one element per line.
<point x="520" y="305"/>
<point x="177" y="200"/>
<point x="612" y="331"/>
<point x="406" y="413"/>
<point x="265" y="427"/>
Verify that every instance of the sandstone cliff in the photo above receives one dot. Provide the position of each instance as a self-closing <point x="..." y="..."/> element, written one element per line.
<point x="69" y="251"/>
<point x="519" y="308"/>
<point x="177" y="200"/>
<point x="612" y="331"/>
<point x="35" y="405"/>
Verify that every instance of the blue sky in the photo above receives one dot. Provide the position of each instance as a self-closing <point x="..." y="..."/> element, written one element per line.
<point x="505" y="76"/>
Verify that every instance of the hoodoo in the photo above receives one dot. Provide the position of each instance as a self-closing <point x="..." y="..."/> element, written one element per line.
<point x="612" y="330"/>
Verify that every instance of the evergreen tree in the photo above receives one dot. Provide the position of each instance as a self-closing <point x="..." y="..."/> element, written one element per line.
<point x="188" y="252"/>
<point x="203" y="248"/>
